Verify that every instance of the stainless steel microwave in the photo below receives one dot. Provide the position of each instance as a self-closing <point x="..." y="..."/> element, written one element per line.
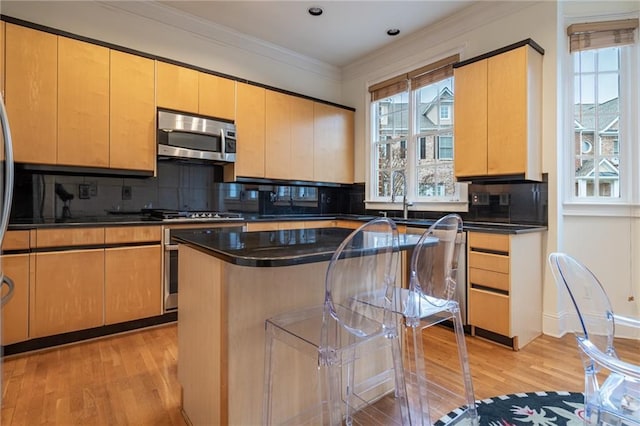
<point x="186" y="136"/>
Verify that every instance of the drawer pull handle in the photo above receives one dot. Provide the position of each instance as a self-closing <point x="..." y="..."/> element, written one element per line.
<point x="9" y="282"/>
<point x="489" y="289"/>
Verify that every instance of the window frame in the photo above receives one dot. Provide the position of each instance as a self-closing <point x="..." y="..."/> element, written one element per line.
<point x="628" y="152"/>
<point x="458" y="202"/>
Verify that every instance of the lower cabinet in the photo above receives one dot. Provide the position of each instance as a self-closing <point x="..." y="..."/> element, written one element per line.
<point x="131" y="288"/>
<point x="15" y="313"/>
<point x="68" y="293"/>
<point x="116" y="278"/>
<point x="505" y="286"/>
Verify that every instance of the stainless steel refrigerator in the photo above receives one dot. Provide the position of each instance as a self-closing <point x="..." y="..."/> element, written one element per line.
<point x="6" y="185"/>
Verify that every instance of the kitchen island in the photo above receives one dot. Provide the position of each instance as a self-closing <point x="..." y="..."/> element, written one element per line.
<point x="230" y="282"/>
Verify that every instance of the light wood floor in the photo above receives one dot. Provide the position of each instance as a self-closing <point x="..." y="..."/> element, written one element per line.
<point x="131" y="379"/>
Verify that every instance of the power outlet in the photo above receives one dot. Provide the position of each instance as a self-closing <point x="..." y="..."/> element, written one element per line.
<point x="126" y="192"/>
<point x="83" y="191"/>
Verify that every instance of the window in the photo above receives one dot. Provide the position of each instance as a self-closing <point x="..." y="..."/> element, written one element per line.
<point x="444" y="112"/>
<point x="601" y="54"/>
<point x="412" y="135"/>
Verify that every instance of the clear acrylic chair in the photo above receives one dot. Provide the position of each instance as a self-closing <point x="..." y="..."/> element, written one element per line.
<point x="430" y="300"/>
<point x="350" y="344"/>
<point x="612" y="386"/>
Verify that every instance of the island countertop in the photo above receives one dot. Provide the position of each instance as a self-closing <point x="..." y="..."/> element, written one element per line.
<point x="271" y="248"/>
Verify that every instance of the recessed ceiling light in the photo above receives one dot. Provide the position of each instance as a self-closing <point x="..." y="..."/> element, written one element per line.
<point x="393" y="32"/>
<point x="315" y="11"/>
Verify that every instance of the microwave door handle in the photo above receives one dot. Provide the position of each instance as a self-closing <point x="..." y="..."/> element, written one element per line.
<point x="224" y="144"/>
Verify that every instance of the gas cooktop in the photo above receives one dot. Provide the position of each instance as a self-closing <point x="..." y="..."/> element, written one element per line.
<point x="167" y="214"/>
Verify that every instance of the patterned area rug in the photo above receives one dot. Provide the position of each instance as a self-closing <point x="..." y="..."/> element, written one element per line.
<point x="531" y="409"/>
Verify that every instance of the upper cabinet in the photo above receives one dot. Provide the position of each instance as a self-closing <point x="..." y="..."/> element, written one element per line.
<point x="73" y="103"/>
<point x="185" y="89"/>
<point x="333" y="144"/>
<point x="132" y="112"/>
<point x="498" y="114"/>
<point x="289" y="139"/>
<point x="31" y="93"/>
<point x="250" y="125"/>
<point x="177" y="87"/>
<point x="83" y="103"/>
<point x="216" y="96"/>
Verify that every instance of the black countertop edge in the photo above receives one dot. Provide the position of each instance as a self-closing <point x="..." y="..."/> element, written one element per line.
<point x="117" y="220"/>
<point x="260" y="249"/>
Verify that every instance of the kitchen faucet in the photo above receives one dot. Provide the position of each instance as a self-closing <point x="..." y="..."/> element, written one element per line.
<point x="394" y="188"/>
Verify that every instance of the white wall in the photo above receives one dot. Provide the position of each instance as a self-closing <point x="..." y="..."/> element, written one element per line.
<point x="154" y="29"/>
<point x="606" y="239"/>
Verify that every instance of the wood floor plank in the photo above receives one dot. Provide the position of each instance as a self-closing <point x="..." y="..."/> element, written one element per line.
<point x="131" y="379"/>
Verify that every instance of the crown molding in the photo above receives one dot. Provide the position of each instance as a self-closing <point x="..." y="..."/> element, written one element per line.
<point x="222" y="36"/>
<point x="442" y="32"/>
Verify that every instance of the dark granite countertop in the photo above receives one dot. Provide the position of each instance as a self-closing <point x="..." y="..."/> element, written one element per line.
<point x="141" y="219"/>
<point x="271" y="248"/>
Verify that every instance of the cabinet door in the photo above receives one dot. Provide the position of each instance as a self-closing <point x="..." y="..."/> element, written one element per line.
<point x="302" y="139"/>
<point x="507" y="112"/>
<point x="278" y="136"/>
<point x="470" y="118"/>
<point x="333" y="144"/>
<point x="177" y="87"/>
<point x="15" y="314"/>
<point x="31" y="93"/>
<point x="133" y="283"/>
<point x="68" y="292"/>
<point x="250" y="124"/>
<point x="83" y="103"/>
<point x="132" y="133"/>
<point x="217" y="96"/>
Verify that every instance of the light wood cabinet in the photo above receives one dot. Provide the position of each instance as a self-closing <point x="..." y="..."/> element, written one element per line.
<point x="290" y="224"/>
<point x="250" y="125"/>
<point x="17" y="267"/>
<point x="497" y="114"/>
<point x="73" y="289"/>
<point x="216" y="96"/>
<point x="177" y="87"/>
<point x="15" y="314"/>
<point x="132" y="283"/>
<point x="31" y="92"/>
<point x="289" y="137"/>
<point x="133" y="274"/>
<point x="68" y="293"/>
<point x="185" y="89"/>
<point x="83" y="103"/>
<point x="333" y="144"/>
<point x="505" y="285"/>
<point x="132" y="113"/>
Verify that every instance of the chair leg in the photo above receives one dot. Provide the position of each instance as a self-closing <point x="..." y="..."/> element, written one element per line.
<point x="334" y="397"/>
<point x="268" y="378"/>
<point x="421" y="411"/>
<point x="400" y="385"/>
<point x="472" y="412"/>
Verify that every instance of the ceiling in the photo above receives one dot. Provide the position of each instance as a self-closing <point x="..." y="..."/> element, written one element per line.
<point x="345" y="32"/>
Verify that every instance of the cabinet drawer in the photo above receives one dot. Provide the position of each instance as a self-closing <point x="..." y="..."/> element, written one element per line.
<point x="133" y="234"/>
<point x="69" y="237"/>
<point x="489" y="311"/>
<point x="16" y="240"/>
<point x="493" y="242"/>
<point x="491" y="279"/>
<point x="489" y="262"/>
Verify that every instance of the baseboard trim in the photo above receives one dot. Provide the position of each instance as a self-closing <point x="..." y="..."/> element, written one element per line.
<point x="91" y="333"/>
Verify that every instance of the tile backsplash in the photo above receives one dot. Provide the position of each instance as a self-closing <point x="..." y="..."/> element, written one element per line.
<point x="179" y="186"/>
